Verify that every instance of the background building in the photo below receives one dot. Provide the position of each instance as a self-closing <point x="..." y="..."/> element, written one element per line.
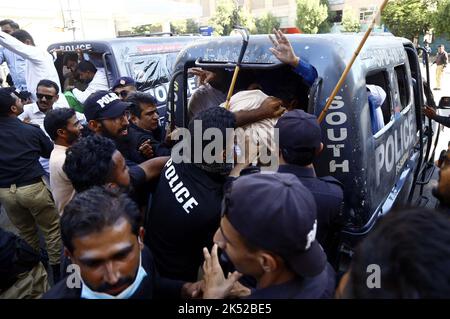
<point x="286" y="10"/>
<point x="51" y="21"/>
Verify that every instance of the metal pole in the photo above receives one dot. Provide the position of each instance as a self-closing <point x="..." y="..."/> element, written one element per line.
<point x="245" y="38"/>
<point x="349" y="66"/>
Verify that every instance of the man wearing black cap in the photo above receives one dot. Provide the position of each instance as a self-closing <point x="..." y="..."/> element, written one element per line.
<point x="300" y="143"/>
<point x="123" y="87"/>
<point x="23" y="194"/>
<point x="108" y="116"/>
<point x="272" y="239"/>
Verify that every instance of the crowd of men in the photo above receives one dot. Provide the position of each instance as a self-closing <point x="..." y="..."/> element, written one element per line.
<point x="100" y="201"/>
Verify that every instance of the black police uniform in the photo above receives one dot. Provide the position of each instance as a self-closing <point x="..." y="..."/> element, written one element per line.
<point x="152" y="286"/>
<point x="129" y="147"/>
<point x="184" y="215"/>
<point x="328" y="194"/>
<point x="321" y="286"/>
<point x="21" y="145"/>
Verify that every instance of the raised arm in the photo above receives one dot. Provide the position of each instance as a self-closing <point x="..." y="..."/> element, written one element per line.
<point x="25" y="51"/>
<point x="283" y="51"/>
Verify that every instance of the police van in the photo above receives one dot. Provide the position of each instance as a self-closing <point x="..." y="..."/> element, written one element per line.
<point x="148" y="60"/>
<point x="379" y="171"/>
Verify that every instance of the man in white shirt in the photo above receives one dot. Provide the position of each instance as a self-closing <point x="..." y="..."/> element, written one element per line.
<point x="64" y="129"/>
<point x="95" y="77"/>
<point x="47" y="93"/>
<point x="39" y="62"/>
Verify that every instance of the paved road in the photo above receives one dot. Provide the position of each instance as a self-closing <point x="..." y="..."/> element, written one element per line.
<point x="444" y="137"/>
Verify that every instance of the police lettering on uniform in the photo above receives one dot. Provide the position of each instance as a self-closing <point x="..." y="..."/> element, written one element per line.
<point x="185" y="210"/>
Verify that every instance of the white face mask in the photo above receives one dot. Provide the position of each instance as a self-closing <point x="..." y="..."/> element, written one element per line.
<point x="88" y="293"/>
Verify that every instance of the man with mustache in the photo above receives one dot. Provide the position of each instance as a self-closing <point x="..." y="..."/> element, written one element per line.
<point x="47" y="93"/>
<point x="103" y="237"/>
<point x="108" y="116"/>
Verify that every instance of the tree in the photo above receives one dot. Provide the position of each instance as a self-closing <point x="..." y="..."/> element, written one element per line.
<point x="178" y="27"/>
<point x="408" y="18"/>
<point x="192" y="26"/>
<point x="229" y="14"/>
<point x="349" y="22"/>
<point x="310" y="14"/>
<point x="327" y="24"/>
<point x="147" y="28"/>
<point x="184" y="26"/>
<point x="266" y="24"/>
<point x="441" y="18"/>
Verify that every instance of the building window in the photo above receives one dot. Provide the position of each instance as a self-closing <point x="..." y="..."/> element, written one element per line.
<point x="284" y="22"/>
<point x="366" y="14"/>
<point x="258" y="4"/>
<point x="277" y="3"/>
<point x="337" y="16"/>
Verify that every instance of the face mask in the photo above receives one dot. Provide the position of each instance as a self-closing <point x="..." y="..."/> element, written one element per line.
<point x="88" y="293"/>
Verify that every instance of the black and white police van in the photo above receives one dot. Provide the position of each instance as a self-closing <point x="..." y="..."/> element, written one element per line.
<point x="148" y="60"/>
<point x="379" y="172"/>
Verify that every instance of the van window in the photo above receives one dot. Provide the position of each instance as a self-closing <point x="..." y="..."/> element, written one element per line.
<point x="151" y="70"/>
<point x="380" y="78"/>
<point x="403" y="87"/>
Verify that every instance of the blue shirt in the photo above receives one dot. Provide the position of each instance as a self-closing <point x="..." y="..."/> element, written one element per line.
<point x="307" y="72"/>
<point x="17" y="68"/>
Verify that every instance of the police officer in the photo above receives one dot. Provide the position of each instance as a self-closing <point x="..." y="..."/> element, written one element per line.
<point x="23" y="194"/>
<point x="300" y="143"/>
<point x="123" y="87"/>
<point x="268" y="230"/>
<point x="185" y="211"/>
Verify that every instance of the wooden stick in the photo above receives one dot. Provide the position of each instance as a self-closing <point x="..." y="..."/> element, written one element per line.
<point x="349" y="66"/>
<point x="233" y="83"/>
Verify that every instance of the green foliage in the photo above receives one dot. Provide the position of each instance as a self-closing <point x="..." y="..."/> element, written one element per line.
<point x="229" y="14"/>
<point x="310" y="14"/>
<point x="441" y="19"/>
<point x="408" y="18"/>
<point x="157" y="27"/>
<point x="188" y="26"/>
<point x="266" y="24"/>
<point x="327" y="24"/>
<point x="349" y="22"/>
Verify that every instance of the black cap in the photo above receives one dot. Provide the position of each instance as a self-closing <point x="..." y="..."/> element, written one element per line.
<point x="123" y="81"/>
<point x="298" y="130"/>
<point x="277" y="212"/>
<point x="6" y="99"/>
<point x="105" y="105"/>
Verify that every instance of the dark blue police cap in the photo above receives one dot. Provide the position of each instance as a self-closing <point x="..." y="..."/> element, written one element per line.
<point x="123" y="81"/>
<point x="276" y="212"/>
<point x="104" y="105"/>
<point x="298" y="130"/>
